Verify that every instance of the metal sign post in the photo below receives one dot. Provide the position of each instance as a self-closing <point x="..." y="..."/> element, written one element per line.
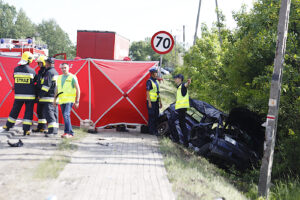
<point x="160" y="65"/>
<point x="272" y="118"/>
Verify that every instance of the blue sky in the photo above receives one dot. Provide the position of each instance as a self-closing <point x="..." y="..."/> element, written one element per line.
<point x="132" y="19"/>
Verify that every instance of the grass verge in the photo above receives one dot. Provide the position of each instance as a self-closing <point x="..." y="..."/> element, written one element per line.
<point x="167" y="91"/>
<point x="193" y="177"/>
<point x="51" y="168"/>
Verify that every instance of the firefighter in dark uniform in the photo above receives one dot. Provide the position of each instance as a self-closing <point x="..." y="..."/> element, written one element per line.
<point x="153" y="101"/>
<point x="182" y="104"/>
<point x="46" y="97"/>
<point x="25" y="78"/>
<point x="41" y="118"/>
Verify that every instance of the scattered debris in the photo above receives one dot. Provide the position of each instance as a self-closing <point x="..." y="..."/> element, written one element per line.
<point x="18" y="144"/>
<point x="103" y="144"/>
<point x="92" y="131"/>
<point x="87" y="125"/>
<point x="121" y="128"/>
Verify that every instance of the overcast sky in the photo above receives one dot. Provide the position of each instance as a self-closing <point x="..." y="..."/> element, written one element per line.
<point x="132" y="19"/>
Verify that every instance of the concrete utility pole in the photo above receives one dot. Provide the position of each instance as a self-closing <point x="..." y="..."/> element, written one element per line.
<point x="217" y="10"/>
<point x="197" y="21"/>
<point x="272" y="118"/>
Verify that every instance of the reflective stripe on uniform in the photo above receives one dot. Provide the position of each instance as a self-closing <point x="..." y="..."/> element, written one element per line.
<point x="42" y="121"/>
<point x="53" y="125"/>
<point x="55" y="77"/>
<point x="45" y="88"/>
<point x="23" y="75"/>
<point x="24" y="96"/>
<point x="46" y="99"/>
<point x="11" y="120"/>
<point x="27" y="121"/>
<point x="215" y="125"/>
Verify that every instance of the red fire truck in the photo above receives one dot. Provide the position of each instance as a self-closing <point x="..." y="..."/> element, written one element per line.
<point x="15" y="47"/>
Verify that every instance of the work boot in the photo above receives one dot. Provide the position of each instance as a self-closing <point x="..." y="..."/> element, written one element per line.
<point x="25" y="133"/>
<point x="36" y="130"/>
<point x="39" y="130"/>
<point x="5" y="128"/>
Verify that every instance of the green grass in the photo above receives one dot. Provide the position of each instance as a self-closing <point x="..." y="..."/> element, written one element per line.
<point x="167" y="92"/>
<point x="66" y="143"/>
<point x="286" y="190"/>
<point x="193" y="177"/>
<point x="51" y="168"/>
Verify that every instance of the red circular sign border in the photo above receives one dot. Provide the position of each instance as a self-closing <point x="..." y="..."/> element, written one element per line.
<point x="162" y="52"/>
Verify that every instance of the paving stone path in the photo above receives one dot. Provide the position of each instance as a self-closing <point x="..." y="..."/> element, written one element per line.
<point x="107" y="165"/>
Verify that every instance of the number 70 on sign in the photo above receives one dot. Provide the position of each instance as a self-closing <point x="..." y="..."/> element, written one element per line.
<point x="162" y="42"/>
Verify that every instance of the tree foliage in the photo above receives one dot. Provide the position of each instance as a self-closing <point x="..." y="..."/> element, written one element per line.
<point x="58" y="41"/>
<point x="142" y="51"/>
<point x="17" y="25"/>
<point x="7" y="17"/>
<point x="23" y="26"/>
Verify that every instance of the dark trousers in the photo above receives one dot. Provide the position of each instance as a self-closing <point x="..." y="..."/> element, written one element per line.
<point x="41" y="118"/>
<point x="153" y="114"/>
<point x="50" y="113"/>
<point x="182" y="124"/>
<point x="14" y="113"/>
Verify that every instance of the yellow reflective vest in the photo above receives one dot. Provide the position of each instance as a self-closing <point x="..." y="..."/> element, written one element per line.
<point x="68" y="93"/>
<point x="182" y="101"/>
<point x="153" y="93"/>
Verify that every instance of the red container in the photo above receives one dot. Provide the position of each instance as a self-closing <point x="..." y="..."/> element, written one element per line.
<point x="101" y="45"/>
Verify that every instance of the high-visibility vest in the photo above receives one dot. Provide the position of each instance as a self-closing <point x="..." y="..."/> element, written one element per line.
<point x="182" y="101"/>
<point x="153" y="93"/>
<point x="68" y="93"/>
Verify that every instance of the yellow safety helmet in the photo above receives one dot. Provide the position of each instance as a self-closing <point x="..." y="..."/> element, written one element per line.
<point x="27" y="57"/>
<point x="42" y="60"/>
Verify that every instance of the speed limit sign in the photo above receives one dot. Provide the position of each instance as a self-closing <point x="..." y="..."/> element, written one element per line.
<point x="162" y="42"/>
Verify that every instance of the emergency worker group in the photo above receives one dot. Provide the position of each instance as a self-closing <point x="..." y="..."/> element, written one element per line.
<point x="43" y="88"/>
<point x="154" y="103"/>
<point x="47" y="86"/>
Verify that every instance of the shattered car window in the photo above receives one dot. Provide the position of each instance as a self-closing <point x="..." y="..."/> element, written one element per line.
<point x="195" y="114"/>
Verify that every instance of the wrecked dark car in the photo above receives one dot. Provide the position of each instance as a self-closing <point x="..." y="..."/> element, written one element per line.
<point x="234" y="139"/>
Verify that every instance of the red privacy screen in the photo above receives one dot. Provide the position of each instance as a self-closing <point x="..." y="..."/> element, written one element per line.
<point x="112" y="92"/>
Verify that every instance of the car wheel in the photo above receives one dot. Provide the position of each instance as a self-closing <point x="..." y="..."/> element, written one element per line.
<point x="163" y="128"/>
